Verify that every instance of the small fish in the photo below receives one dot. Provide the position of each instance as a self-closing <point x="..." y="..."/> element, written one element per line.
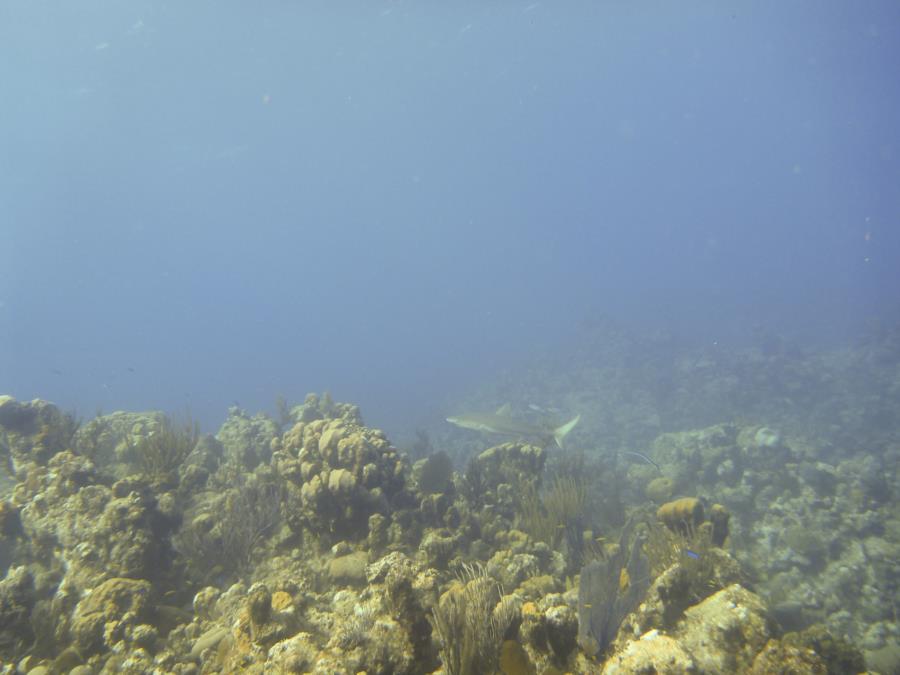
<point x="624" y="580"/>
<point x="691" y="554"/>
<point x="534" y="407"/>
<point x="643" y="457"/>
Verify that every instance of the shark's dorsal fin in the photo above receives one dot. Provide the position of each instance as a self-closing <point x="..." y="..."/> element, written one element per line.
<point x="504" y="410"/>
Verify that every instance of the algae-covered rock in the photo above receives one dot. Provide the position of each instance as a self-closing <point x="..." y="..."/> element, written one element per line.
<point x="707" y="457"/>
<point x="270" y="617"/>
<point x="17" y="599"/>
<point x="839" y="655"/>
<point x="316" y="407"/>
<point x="514" y="659"/>
<point x="516" y="464"/>
<point x="10" y="523"/>
<point x="70" y="516"/>
<point x="246" y="440"/>
<point x="767" y="438"/>
<point x="885" y="659"/>
<point x="207" y="456"/>
<point x="111" y="441"/>
<point x="660" y="489"/>
<point x="722" y="634"/>
<point x="549" y="631"/>
<point x="434" y="474"/>
<point x="764" y="447"/>
<point x="726" y="631"/>
<point x="297" y="654"/>
<point x="409" y="591"/>
<point x="654" y="653"/>
<point x="109" y="612"/>
<point x="349" y="569"/>
<point x="438" y="547"/>
<point x="539" y="586"/>
<point x="698" y="447"/>
<point x="679" y="587"/>
<point x="434" y="509"/>
<point x="511" y="569"/>
<point x="15" y="416"/>
<point x="33" y="431"/>
<point x="777" y="658"/>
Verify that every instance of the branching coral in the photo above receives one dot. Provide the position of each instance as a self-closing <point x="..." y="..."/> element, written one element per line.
<point x="356" y="628"/>
<point x="226" y="542"/>
<point x="160" y="453"/>
<point x="471" y="621"/>
<point x="557" y="518"/>
<point x="473" y="484"/>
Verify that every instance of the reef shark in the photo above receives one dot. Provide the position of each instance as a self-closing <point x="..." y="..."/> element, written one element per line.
<point x="502" y="422"/>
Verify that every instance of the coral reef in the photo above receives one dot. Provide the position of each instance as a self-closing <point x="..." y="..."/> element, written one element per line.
<point x="814" y="536"/>
<point x="722" y="634"/>
<point x="317" y="547"/>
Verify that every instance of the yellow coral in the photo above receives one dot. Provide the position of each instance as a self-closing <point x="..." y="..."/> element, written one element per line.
<point x="624" y="580"/>
<point x="683" y="515"/>
<point x="514" y="659"/>
<point x="281" y="601"/>
<point x="660" y="489"/>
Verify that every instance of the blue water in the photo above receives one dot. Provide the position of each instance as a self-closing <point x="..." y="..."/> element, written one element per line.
<point x="204" y="203"/>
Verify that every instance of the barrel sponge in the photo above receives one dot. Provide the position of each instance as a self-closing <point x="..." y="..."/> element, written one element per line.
<point x="682" y="515"/>
<point x="718" y="518"/>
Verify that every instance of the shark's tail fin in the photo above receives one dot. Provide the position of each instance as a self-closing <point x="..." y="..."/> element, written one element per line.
<point x="560" y="433"/>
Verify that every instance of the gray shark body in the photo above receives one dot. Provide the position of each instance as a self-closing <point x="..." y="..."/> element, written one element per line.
<point x="502" y="423"/>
